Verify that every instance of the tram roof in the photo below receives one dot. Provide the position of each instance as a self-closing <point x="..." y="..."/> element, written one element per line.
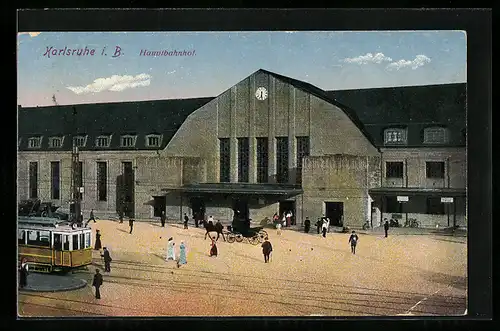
<point x="46" y="222"/>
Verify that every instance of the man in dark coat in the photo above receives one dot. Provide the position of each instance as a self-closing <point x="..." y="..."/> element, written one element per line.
<point x="107" y="260"/>
<point x="97" y="283"/>
<point x="195" y="219"/>
<point x="353" y="240"/>
<point x="163" y="218"/>
<point x="131" y="224"/>
<point x="318" y="225"/>
<point x="92" y="217"/>
<point x="386" y="228"/>
<point x="267" y="248"/>
<point x="307" y="225"/>
<point x="186" y="219"/>
<point x="97" y="245"/>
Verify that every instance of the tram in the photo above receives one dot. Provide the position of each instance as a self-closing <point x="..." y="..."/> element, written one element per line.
<point x="51" y="245"/>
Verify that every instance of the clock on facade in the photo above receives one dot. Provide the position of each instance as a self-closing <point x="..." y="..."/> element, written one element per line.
<point x="261" y="93"/>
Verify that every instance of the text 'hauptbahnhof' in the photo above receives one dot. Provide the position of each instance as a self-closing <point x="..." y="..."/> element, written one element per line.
<point x="268" y="144"/>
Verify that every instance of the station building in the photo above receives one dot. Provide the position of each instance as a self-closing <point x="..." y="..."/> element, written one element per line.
<point x="268" y="144"/>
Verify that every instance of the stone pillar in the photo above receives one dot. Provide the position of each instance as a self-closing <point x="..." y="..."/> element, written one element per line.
<point x="252" y="166"/>
<point x="233" y="139"/>
<point x="272" y="142"/>
<point x="292" y="142"/>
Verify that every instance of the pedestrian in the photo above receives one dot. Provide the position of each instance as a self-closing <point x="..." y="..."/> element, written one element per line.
<point x="98" y="244"/>
<point x="195" y="219"/>
<point x="170" y="249"/>
<point x="288" y="218"/>
<point x="307" y="225"/>
<point x="275" y="218"/>
<point x="23" y="273"/>
<point x="120" y="214"/>
<point x="353" y="240"/>
<point x="92" y="217"/>
<point x="324" y="228"/>
<point x="131" y="224"/>
<point x="182" y="254"/>
<point x="318" y="225"/>
<point x="386" y="227"/>
<point x="163" y="218"/>
<point x="213" y="248"/>
<point x="186" y="219"/>
<point x="267" y="248"/>
<point x="220" y="230"/>
<point x="278" y="229"/>
<point x="283" y="220"/>
<point x="107" y="260"/>
<point x="97" y="283"/>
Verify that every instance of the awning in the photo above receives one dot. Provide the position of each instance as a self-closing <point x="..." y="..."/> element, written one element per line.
<point x="239" y="188"/>
<point x="409" y="191"/>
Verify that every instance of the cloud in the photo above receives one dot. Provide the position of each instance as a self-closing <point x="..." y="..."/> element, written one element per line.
<point x="419" y="61"/>
<point x="368" y="58"/>
<point x="114" y="83"/>
<point x="32" y="34"/>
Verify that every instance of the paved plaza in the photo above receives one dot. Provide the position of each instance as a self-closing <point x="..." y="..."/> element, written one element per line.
<point x="308" y="275"/>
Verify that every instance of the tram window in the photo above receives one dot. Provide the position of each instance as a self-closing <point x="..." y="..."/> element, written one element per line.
<point x="82" y="241"/>
<point x="75" y="242"/>
<point x="57" y="241"/>
<point x="87" y="240"/>
<point x="44" y="237"/>
<point x="66" y="242"/>
<point x="21" y="237"/>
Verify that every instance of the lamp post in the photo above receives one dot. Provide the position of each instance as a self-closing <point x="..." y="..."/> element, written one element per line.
<point x="75" y="176"/>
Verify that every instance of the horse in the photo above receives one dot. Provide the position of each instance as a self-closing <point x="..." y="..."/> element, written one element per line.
<point x="210" y="227"/>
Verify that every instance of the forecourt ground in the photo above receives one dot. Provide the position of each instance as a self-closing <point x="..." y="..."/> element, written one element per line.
<point x="308" y="275"/>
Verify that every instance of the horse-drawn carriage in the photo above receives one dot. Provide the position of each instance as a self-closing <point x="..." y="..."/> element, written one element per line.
<point x="241" y="229"/>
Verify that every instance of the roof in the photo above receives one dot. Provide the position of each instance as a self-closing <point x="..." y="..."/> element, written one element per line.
<point x="239" y="188"/>
<point x="413" y="107"/>
<point x="443" y="192"/>
<point x="138" y="118"/>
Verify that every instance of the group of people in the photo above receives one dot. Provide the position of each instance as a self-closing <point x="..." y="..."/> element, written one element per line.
<point x="171" y="256"/>
<point x="286" y="219"/>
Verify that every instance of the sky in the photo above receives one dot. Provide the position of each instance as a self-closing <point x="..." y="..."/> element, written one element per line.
<point x="136" y="66"/>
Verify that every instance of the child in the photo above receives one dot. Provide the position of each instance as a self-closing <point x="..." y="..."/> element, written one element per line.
<point x="213" y="249"/>
<point x="278" y="229"/>
<point x="353" y="239"/>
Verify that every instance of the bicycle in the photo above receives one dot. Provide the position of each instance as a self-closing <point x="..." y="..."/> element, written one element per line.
<point x="412" y="223"/>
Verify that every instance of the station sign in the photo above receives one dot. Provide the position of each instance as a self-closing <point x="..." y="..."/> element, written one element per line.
<point x="402" y="198"/>
<point x="447" y="200"/>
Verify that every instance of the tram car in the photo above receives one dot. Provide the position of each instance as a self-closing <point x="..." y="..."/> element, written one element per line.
<point x="52" y="245"/>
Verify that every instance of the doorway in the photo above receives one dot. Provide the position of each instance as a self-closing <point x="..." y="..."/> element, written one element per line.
<point x="198" y="207"/>
<point x="159" y="205"/>
<point x="240" y="209"/>
<point x="335" y="212"/>
<point x="286" y="206"/>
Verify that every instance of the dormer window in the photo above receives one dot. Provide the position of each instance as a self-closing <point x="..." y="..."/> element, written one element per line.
<point x="35" y="142"/>
<point x="396" y="136"/>
<point x="80" y="141"/>
<point x="435" y="135"/>
<point x="56" y="142"/>
<point x="103" y="141"/>
<point x="128" y="141"/>
<point x="153" y="140"/>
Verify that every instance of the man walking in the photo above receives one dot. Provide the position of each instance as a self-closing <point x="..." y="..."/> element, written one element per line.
<point x="353" y="240"/>
<point x="318" y="225"/>
<point x="163" y="218"/>
<point x="107" y="260"/>
<point x="97" y="283"/>
<point x="386" y="228"/>
<point x="92" y="217"/>
<point x="307" y="225"/>
<point x="324" y="227"/>
<point x="195" y="219"/>
<point x="131" y="224"/>
<point x="267" y="248"/>
<point x="186" y="219"/>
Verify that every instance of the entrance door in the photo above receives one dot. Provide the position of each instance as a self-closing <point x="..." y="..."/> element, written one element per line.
<point x="240" y="209"/>
<point x="335" y="212"/>
<point x="286" y="206"/>
<point x="198" y="207"/>
<point x="160" y="204"/>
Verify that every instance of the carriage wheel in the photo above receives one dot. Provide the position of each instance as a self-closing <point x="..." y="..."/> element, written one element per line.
<point x="239" y="237"/>
<point x="254" y="240"/>
<point x="231" y="238"/>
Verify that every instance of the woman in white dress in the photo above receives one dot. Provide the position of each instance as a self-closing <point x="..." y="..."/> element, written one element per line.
<point x="171" y="249"/>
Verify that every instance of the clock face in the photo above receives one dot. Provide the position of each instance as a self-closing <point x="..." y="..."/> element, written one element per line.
<point x="261" y="93"/>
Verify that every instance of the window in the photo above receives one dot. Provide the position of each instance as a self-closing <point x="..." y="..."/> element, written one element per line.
<point x="392" y="205"/>
<point x="102" y="178"/>
<point x="66" y="242"/>
<point x="243" y="160"/>
<point x="80" y="141"/>
<point x="225" y="160"/>
<point x="75" y="242"/>
<point x="434" y="169"/>
<point x="80" y="177"/>
<point x="55" y="177"/>
<point x="394" y="169"/>
<point x="57" y="241"/>
<point x="21" y="237"/>
<point x="39" y="238"/>
<point x="262" y="160"/>
<point x="302" y="151"/>
<point x="153" y="140"/>
<point x="102" y="141"/>
<point x="55" y="142"/>
<point x="435" y="136"/>
<point x="87" y="240"/>
<point x="35" y="142"/>
<point x="33" y="180"/>
<point x="128" y="182"/>
<point x="395" y="136"/>
<point x="435" y="206"/>
<point x="128" y="141"/>
<point x="282" y="159"/>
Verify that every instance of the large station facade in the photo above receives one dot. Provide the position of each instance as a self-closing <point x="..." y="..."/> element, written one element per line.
<point x="266" y="145"/>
